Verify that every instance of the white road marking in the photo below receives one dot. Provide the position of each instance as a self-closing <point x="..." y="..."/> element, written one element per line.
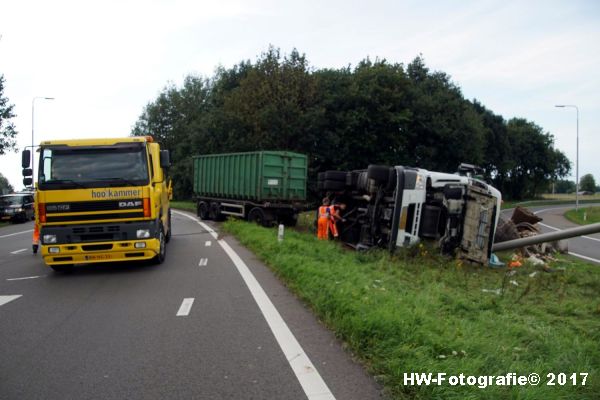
<point x="18" y="251"/>
<point x="313" y="385"/>
<point x="17" y="233"/>
<point x="8" y="299"/>
<point x="208" y="243"/>
<point x="584" y="257"/>
<point x="203" y="262"/>
<point x="186" y="306"/>
<point x="26" y="277"/>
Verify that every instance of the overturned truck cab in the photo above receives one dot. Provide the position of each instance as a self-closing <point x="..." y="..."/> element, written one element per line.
<point x="400" y="206"/>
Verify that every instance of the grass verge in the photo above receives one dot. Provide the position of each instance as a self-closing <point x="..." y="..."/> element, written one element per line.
<point x="186" y="205"/>
<point x="584" y="216"/>
<point x="418" y="312"/>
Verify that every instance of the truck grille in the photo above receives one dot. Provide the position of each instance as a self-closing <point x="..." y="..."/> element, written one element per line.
<point x="134" y="206"/>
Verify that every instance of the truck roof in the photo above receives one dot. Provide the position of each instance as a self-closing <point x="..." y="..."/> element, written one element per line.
<point x="99" y="142"/>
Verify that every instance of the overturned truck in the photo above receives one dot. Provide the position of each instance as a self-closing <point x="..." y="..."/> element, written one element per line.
<point x="400" y="206"/>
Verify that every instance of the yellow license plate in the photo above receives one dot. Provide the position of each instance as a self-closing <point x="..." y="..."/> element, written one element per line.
<point x="98" y="257"/>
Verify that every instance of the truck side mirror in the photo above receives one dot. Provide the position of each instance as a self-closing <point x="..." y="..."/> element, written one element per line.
<point x="27" y="172"/>
<point x="25" y="158"/>
<point x="27" y="181"/>
<point x="165" y="159"/>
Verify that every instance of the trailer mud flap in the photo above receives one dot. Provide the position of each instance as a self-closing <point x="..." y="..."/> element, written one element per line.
<point x="478" y="226"/>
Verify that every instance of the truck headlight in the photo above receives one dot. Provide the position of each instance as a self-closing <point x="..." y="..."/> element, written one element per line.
<point x="140" y="245"/>
<point x="49" y="239"/>
<point x="143" y="233"/>
<point x="54" y="250"/>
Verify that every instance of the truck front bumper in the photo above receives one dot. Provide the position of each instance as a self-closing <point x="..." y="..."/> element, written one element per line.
<point x="100" y="252"/>
<point x="93" y="243"/>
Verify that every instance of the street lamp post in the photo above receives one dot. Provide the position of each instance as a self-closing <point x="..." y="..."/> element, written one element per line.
<point x="576" y="155"/>
<point x="32" y="124"/>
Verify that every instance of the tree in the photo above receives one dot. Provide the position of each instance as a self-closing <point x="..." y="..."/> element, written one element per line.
<point x="5" y="186"/>
<point x="564" y="186"/>
<point x="587" y="183"/>
<point x="8" y="133"/>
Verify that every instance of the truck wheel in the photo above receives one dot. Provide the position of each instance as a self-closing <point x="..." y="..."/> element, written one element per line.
<point x="379" y="173"/>
<point x="203" y="210"/>
<point x="64" y="268"/>
<point x="168" y="236"/>
<point x="162" y="247"/>
<point x="334" y="185"/>
<point x="339" y="176"/>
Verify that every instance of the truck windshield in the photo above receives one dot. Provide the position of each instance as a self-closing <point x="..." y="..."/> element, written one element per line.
<point x="98" y="166"/>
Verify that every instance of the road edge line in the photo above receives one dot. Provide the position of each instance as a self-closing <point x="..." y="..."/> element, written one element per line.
<point x="309" y="378"/>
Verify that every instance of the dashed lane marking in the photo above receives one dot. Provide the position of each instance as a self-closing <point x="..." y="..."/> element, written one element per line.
<point x="309" y="378"/>
<point x="186" y="306"/>
<point x="17" y="233"/>
<point x="25" y="277"/>
<point x="18" y="251"/>
<point x="203" y="262"/>
<point x="208" y="243"/>
<point x="8" y="299"/>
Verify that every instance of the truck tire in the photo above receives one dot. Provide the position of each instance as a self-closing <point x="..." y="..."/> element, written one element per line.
<point x="334" y="185"/>
<point x="214" y="212"/>
<point x="379" y="173"/>
<point x="257" y="215"/>
<point x="362" y="182"/>
<point x="162" y="247"/>
<point x="352" y="178"/>
<point x="203" y="210"/>
<point x="338" y="176"/>
<point x="391" y="183"/>
<point x="64" y="268"/>
<point x="168" y="236"/>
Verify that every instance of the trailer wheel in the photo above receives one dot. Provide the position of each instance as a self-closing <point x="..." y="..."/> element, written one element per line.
<point x="203" y="210"/>
<point x="215" y="212"/>
<point x="258" y="216"/>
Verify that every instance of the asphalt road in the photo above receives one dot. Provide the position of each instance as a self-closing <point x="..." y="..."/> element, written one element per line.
<point x="586" y="247"/>
<point x="132" y="331"/>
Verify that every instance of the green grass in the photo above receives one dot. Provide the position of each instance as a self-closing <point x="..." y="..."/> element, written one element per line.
<point x="595" y="196"/>
<point x="186" y="205"/>
<point x="536" y="203"/>
<point x="419" y="312"/>
<point x="591" y="214"/>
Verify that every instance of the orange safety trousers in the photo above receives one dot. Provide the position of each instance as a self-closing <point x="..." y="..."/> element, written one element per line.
<point x="333" y="227"/>
<point x="323" y="228"/>
<point x="323" y="223"/>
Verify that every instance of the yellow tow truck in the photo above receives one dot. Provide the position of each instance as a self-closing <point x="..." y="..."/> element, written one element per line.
<point x="101" y="200"/>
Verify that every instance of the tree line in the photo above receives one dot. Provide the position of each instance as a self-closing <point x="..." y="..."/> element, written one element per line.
<point x="376" y="112"/>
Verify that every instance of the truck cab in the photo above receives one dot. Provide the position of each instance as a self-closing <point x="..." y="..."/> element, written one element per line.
<point x="101" y="200"/>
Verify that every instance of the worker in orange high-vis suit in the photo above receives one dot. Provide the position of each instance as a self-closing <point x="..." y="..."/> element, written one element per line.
<point x="324" y="216"/>
<point x="35" y="242"/>
<point x="335" y="217"/>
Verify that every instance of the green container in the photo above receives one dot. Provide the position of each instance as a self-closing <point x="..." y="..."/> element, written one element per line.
<point x="255" y="176"/>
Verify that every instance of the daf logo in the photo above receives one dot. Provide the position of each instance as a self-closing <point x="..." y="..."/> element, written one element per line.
<point x="130" y="204"/>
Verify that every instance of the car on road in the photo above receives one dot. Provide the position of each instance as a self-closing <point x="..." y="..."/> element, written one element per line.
<point x="17" y="207"/>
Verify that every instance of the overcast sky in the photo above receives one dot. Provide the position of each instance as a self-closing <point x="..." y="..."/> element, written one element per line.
<point x="103" y="61"/>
